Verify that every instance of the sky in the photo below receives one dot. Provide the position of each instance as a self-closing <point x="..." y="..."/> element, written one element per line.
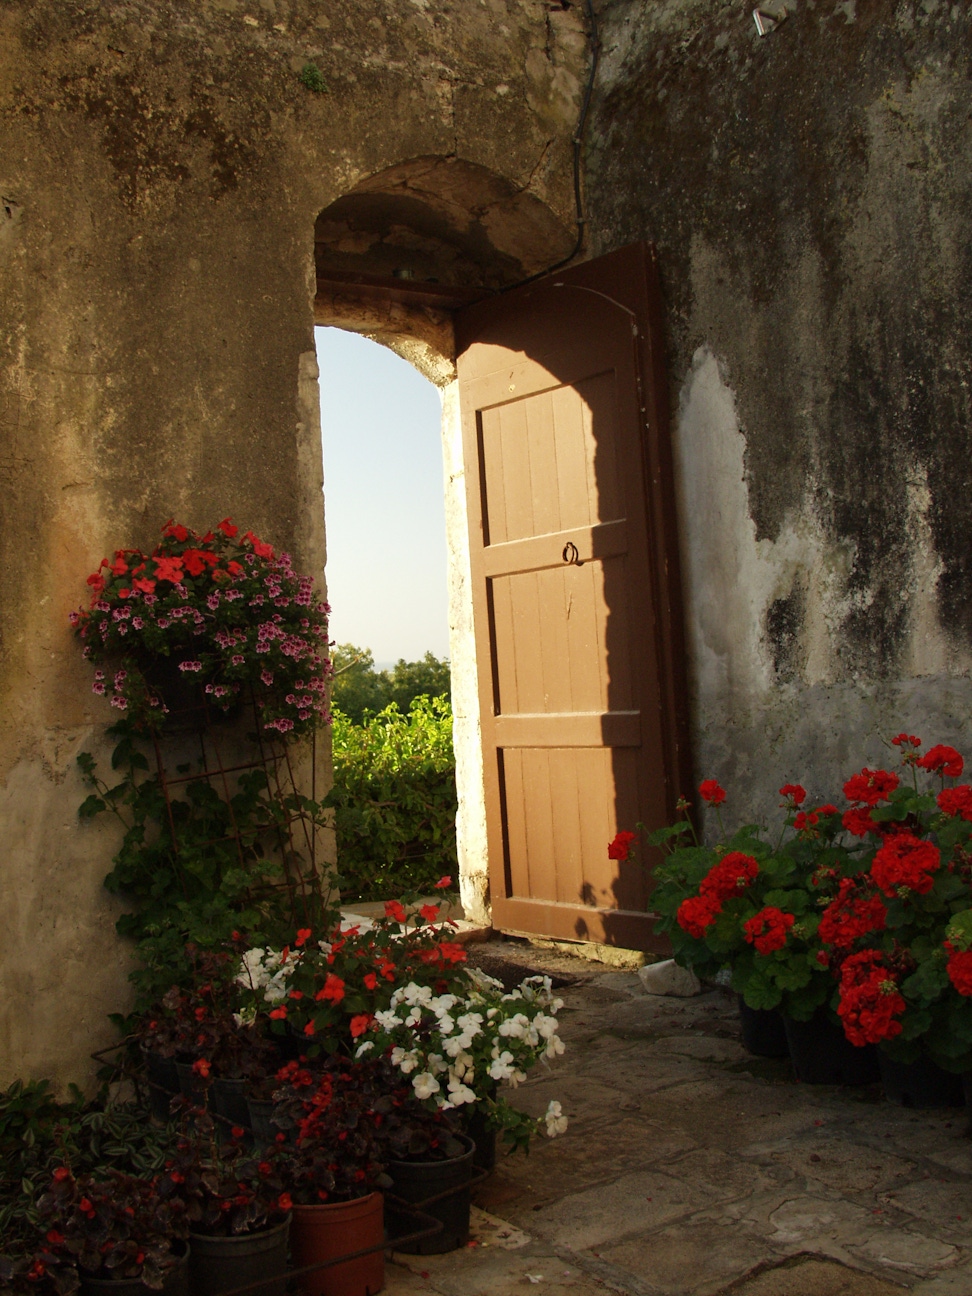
<point x="383" y="505"/>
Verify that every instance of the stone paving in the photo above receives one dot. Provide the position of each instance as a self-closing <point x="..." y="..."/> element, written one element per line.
<point x="692" y="1167"/>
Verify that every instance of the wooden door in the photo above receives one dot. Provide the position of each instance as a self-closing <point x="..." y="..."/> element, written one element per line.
<point x="574" y="571"/>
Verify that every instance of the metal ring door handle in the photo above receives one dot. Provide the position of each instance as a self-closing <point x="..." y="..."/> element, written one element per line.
<point x="571" y="555"/>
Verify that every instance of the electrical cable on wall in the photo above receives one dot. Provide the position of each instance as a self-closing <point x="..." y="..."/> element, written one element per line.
<point x="594" y="42"/>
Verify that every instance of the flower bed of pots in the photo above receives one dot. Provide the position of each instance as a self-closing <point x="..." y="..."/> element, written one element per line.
<point x="855" y="924"/>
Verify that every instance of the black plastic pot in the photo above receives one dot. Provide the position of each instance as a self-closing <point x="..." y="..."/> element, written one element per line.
<point x="229" y="1102"/>
<point x="220" y="1264"/>
<point x="484" y="1158"/>
<point x="163" y="1083"/>
<point x="763" y="1032"/>
<point x="919" y="1084"/>
<point x="176" y="1281"/>
<point x="822" y="1054"/>
<point x="260" y="1121"/>
<point x="192" y="1086"/>
<point x="415" y="1182"/>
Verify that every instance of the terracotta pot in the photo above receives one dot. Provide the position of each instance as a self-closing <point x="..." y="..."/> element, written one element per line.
<point x="335" y="1229"/>
<point x="219" y="1264"/>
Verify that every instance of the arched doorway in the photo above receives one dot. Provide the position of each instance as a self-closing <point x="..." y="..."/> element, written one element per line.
<point x="415" y="256"/>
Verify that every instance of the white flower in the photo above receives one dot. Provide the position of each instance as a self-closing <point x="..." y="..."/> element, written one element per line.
<point x="387" y="1019"/>
<point x="405" y="1061"/>
<point x="516" y="1078"/>
<point x="546" y="1026"/>
<point x="443" y="1004"/>
<point x="515" y="1027"/>
<point x="446" y="1024"/>
<point x="481" y="980"/>
<point x="555" y="1118"/>
<point x="437" y="1063"/>
<point x="471" y="1024"/>
<point x="460" y="1093"/>
<point x="501" y="1068"/>
<point x="425" y="1085"/>
<point x="455" y="1045"/>
<point x="414" y="1016"/>
<point x="555" y="1046"/>
<point x="362" y="1049"/>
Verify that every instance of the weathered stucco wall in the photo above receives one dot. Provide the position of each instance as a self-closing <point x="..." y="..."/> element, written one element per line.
<point x="161" y="170"/>
<point x="809" y="193"/>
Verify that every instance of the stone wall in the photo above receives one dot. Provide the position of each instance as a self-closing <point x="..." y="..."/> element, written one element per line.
<point x="162" y="167"/>
<point x="809" y="193"/>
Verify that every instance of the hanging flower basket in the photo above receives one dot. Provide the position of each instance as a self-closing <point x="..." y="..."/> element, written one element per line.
<point x="221" y="613"/>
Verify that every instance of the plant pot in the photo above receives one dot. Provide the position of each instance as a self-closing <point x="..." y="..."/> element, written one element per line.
<point x="176" y="1281"/>
<point x="230" y="1103"/>
<point x="763" y="1032"/>
<point x="163" y="1083"/>
<point x="919" y="1084"/>
<point x="415" y="1182"/>
<point x="334" y="1229"/>
<point x="484" y="1157"/>
<point x="822" y="1054"/>
<point x="260" y="1120"/>
<point x="221" y="1264"/>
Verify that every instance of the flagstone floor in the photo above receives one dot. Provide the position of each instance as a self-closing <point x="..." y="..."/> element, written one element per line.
<point x="692" y="1168"/>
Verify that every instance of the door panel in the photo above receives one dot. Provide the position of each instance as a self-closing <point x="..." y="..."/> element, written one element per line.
<point x="575" y="593"/>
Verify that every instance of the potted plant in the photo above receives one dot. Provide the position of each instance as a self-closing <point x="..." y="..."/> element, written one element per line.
<point x="237" y="1208"/>
<point x="225" y="613"/>
<point x="123" y="1235"/>
<point x="456" y="1048"/>
<point x="325" y="988"/>
<point x="331" y="1159"/>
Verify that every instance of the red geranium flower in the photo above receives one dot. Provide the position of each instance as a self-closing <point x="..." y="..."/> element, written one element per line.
<point x="168" y="569"/>
<point x="871" y="786"/>
<point x="795" y="791"/>
<point x="729" y="877"/>
<point x="176" y="531"/>
<point x="393" y="909"/>
<point x="227" y="528"/>
<point x="429" y="912"/>
<point x="284" y="1202"/>
<point x="945" y="759"/>
<point x="850" y="915"/>
<point x="710" y="791"/>
<point x="696" y="914"/>
<point x="259" y="548"/>
<point x="371" y="980"/>
<point x="859" y="822"/>
<point x="905" y="740"/>
<point x="869" y="999"/>
<point x="956" y="801"/>
<point x="443" y="882"/>
<point x="202" y="1067"/>
<point x="303" y="936"/>
<point x="904" y="861"/>
<point x="959" y="968"/>
<point x="360" y="1023"/>
<point x="278" y="1014"/>
<point x="621" y="846"/>
<point x="768" y="929"/>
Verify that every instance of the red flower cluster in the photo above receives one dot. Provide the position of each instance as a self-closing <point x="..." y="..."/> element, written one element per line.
<point x="959" y="968"/>
<point x="850" y="915"/>
<point x="768" y="929"/>
<point x="906" y="740"/>
<point x="794" y="791"/>
<point x="729" y="877"/>
<point x="620" y="848"/>
<point x="806" y="820"/>
<point x="943" y="759"/>
<point x="858" y="821"/>
<point x="870" y="786"/>
<point x="956" y="801"/>
<point x="905" y="861"/>
<point x="710" y="791"/>
<point x="695" y="915"/>
<point x="869" y="999"/>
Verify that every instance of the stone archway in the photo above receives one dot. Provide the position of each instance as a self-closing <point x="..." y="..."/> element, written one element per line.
<point x="393" y="257"/>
